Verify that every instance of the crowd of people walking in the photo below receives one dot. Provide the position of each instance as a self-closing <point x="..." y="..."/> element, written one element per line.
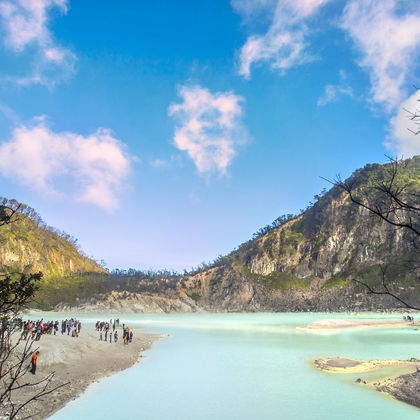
<point x="71" y="327"/>
<point x="105" y="333"/>
<point x="35" y="329"/>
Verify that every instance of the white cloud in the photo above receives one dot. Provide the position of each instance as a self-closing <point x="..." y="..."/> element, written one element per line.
<point x="159" y="163"/>
<point x="25" y="25"/>
<point x="403" y="139"/>
<point x="387" y="33"/>
<point x="284" y="44"/>
<point x="9" y="113"/>
<point x="333" y="92"/>
<point x="96" y="165"/>
<point x="167" y="162"/>
<point x="209" y="129"/>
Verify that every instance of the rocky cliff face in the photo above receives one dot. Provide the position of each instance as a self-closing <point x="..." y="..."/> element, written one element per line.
<point x="309" y="262"/>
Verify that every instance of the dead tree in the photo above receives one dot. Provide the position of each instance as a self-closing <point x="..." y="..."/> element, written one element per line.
<point x="16" y="349"/>
<point x="414" y="116"/>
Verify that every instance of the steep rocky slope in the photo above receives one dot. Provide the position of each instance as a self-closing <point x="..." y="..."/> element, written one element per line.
<point x="28" y="245"/>
<point x="309" y="262"/>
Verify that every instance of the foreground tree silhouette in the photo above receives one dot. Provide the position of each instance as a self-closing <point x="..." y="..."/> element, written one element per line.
<point x="394" y="198"/>
<point x="16" y="292"/>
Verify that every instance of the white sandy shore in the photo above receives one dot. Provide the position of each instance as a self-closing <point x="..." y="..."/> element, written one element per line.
<point x="78" y="362"/>
<point x="342" y="365"/>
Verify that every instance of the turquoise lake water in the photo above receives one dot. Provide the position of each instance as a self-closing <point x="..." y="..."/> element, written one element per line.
<point x="245" y="366"/>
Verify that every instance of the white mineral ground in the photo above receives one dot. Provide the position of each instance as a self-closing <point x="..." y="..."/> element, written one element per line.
<point x="358" y="323"/>
<point x="402" y="384"/>
<point x="78" y="362"/>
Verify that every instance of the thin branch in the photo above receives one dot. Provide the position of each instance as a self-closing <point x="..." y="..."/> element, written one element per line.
<point x="386" y="292"/>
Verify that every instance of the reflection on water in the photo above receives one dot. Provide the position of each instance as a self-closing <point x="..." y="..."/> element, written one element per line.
<point x="245" y="366"/>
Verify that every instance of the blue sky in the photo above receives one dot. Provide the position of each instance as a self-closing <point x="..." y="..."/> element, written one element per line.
<point x="162" y="134"/>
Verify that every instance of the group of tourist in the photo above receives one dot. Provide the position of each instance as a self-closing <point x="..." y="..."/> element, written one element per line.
<point x="408" y="318"/>
<point x="35" y="329"/>
<point x="72" y="326"/>
<point x="105" y="333"/>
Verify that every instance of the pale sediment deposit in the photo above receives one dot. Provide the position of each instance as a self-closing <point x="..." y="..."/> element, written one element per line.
<point x="358" y="323"/>
<point x="403" y="386"/>
<point x="78" y="362"/>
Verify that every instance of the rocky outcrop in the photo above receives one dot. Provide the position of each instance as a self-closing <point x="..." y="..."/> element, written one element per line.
<point x="404" y="388"/>
<point x="309" y="263"/>
<point x="129" y="302"/>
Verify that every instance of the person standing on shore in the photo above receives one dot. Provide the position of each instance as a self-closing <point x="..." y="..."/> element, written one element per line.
<point x="33" y="361"/>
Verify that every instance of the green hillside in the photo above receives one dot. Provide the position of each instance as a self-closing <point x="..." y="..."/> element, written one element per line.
<point x="27" y="245"/>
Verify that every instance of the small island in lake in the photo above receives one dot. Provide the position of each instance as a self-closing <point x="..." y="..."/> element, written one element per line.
<point x="403" y="385"/>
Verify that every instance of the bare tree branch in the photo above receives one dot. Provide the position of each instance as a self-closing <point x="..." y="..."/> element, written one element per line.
<point x="16" y="291"/>
<point x="394" y="199"/>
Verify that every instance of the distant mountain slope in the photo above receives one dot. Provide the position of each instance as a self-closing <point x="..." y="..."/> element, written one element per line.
<point x="308" y="262"/>
<point x="30" y="245"/>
